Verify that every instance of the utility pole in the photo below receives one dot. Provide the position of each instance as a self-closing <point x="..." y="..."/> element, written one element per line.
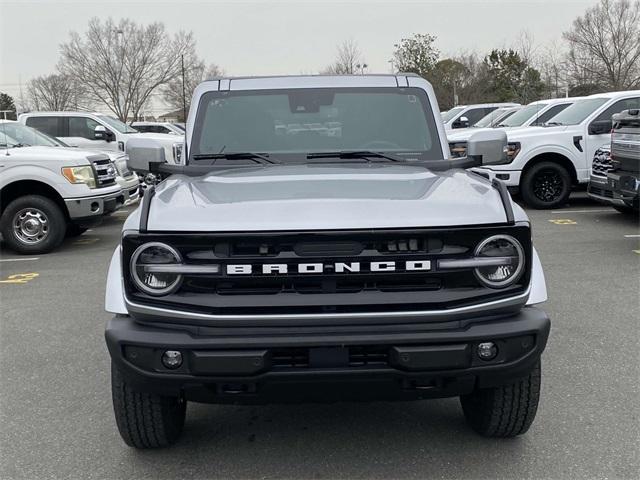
<point x="184" y="98"/>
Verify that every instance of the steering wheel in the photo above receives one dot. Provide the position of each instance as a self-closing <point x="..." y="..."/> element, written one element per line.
<point x="380" y="145"/>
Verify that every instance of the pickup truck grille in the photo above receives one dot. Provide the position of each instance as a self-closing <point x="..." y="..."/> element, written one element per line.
<point x="335" y="290"/>
<point x="104" y="169"/>
<point x="601" y="164"/>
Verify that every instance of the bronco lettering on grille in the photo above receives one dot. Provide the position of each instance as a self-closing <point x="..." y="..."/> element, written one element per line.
<point x="337" y="267"/>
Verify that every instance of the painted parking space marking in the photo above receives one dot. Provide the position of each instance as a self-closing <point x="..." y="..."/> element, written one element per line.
<point x="632" y="236"/>
<point x="30" y="259"/>
<point x="636" y="251"/>
<point x="86" y="241"/>
<point x="590" y="210"/>
<point x="20" y="278"/>
<point x="563" y="221"/>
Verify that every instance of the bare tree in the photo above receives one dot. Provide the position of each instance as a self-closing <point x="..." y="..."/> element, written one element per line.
<point x="348" y="60"/>
<point x="604" y="44"/>
<point x="195" y="72"/>
<point x="55" y="92"/>
<point x="553" y="70"/>
<point x="121" y="65"/>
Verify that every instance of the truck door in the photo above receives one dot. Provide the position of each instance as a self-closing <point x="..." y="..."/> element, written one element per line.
<point x="599" y="132"/>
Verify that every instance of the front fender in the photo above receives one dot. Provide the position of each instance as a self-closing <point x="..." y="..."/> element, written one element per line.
<point x="114" y="294"/>
<point x="538" y="292"/>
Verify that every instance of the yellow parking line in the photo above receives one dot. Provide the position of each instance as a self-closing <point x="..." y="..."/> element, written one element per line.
<point x="86" y="241"/>
<point x="563" y="221"/>
<point x="20" y="278"/>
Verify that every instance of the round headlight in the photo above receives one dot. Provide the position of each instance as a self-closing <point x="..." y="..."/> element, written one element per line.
<point x="147" y="264"/>
<point x="509" y="264"/>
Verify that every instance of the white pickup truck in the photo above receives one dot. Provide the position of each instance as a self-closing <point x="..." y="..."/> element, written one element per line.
<point x="465" y="116"/>
<point x="48" y="191"/>
<point x="546" y="162"/>
<point x="96" y="131"/>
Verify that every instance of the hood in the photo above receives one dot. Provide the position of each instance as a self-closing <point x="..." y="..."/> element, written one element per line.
<point x="166" y="137"/>
<point x="322" y="197"/>
<point x="524" y="133"/>
<point x="463" y="135"/>
<point x="71" y="156"/>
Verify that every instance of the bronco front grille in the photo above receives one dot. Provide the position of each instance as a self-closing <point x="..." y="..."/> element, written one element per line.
<point x="334" y="290"/>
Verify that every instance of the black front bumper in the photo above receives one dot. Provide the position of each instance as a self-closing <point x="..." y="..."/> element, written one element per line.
<point x="327" y="363"/>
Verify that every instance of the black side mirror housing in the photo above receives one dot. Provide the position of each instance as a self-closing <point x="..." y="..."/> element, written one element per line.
<point x="102" y="133"/>
<point x="600" y="127"/>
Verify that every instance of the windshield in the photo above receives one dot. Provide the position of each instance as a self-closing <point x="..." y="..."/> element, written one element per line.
<point x="448" y="115"/>
<point x="577" y="112"/>
<point x="14" y="133"/>
<point x="117" y="124"/>
<point x="521" y="116"/>
<point x="294" y="122"/>
<point x="488" y="119"/>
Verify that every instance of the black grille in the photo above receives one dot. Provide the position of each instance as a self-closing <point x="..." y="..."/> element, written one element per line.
<point x="104" y="169"/>
<point x="601" y="162"/>
<point x="330" y="291"/>
<point x="356" y="356"/>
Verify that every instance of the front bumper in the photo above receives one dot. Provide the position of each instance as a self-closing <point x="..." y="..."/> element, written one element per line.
<point x="259" y="365"/>
<point x="84" y="208"/>
<point x="130" y="189"/>
<point x="617" y="188"/>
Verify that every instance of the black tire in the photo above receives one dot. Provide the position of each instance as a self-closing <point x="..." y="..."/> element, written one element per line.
<point x="504" y="411"/>
<point x="44" y="212"/>
<point x="146" y="420"/>
<point x="545" y="185"/>
<point x="75" y="230"/>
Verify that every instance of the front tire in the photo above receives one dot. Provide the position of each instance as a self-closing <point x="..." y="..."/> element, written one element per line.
<point x="146" y="420"/>
<point x="546" y="185"/>
<point x="33" y="224"/>
<point x="504" y="411"/>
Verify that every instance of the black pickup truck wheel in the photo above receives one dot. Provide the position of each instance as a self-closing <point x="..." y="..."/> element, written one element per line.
<point x="545" y="185"/>
<point x="504" y="411"/>
<point x="146" y="420"/>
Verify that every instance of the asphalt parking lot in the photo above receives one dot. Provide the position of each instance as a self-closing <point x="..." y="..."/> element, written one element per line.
<point x="57" y="422"/>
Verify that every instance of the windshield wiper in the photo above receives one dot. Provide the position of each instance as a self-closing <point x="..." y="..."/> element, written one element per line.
<point x="257" y="157"/>
<point x="365" y="154"/>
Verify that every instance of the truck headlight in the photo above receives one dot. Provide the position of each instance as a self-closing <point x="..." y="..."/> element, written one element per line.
<point x="508" y="261"/>
<point x="80" y="175"/>
<point x="149" y="270"/>
<point x="177" y="152"/>
<point x="513" y="149"/>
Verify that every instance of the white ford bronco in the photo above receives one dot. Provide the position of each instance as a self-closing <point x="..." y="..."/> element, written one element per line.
<point x="48" y="191"/>
<point x="547" y="162"/>
<point x="320" y="244"/>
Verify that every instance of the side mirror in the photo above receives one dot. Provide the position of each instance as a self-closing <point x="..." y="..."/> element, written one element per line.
<point x="488" y="147"/>
<point x="600" y="127"/>
<point x="144" y="154"/>
<point x="101" y="133"/>
<point x="462" y="122"/>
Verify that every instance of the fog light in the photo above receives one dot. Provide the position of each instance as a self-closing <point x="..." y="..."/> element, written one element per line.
<point x="172" y="359"/>
<point x="487" y="350"/>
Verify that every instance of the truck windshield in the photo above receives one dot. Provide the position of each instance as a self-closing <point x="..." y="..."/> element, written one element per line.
<point x="291" y="123"/>
<point x="16" y="134"/>
<point x="577" y="112"/>
<point x="117" y="124"/>
<point x="449" y="114"/>
<point x="521" y="116"/>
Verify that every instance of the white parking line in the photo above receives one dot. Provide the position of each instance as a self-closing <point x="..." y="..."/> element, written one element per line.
<point x="591" y="210"/>
<point x="632" y="236"/>
<point x="19" y="259"/>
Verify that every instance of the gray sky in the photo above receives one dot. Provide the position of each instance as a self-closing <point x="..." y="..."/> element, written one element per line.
<point x="279" y="37"/>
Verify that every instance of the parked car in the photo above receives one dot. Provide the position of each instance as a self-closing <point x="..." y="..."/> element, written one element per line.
<point x="158" y="127"/>
<point x="534" y="114"/>
<point x="96" y="131"/>
<point x="464" y="116"/>
<point x="615" y="172"/>
<point x="546" y="163"/>
<point x="48" y="191"/>
<point x="297" y="266"/>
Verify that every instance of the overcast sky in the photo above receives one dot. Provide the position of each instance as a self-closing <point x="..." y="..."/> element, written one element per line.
<point x="280" y="37"/>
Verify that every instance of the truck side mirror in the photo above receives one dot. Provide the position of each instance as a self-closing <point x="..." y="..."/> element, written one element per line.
<point x="600" y="127"/>
<point x="100" y="132"/>
<point x="488" y="147"/>
<point x="144" y="154"/>
<point x="462" y="122"/>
